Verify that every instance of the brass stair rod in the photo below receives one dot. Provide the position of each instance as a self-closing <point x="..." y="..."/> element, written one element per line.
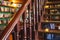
<point x="24" y="27"/>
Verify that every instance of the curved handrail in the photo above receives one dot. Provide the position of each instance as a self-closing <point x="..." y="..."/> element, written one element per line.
<point x="14" y="21"/>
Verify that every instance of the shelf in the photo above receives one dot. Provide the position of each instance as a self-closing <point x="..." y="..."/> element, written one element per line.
<point x="5" y="12"/>
<point x="50" y="31"/>
<point x="5" y="18"/>
<point x="52" y="3"/>
<point x="51" y="22"/>
<point x="56" y="19"/>
<point x="53" y="0"/>
<point x="6" y="6"/>
<point x="52" y="14"/>
<point x="2" y="25"/>
<point x="52" y="8"/>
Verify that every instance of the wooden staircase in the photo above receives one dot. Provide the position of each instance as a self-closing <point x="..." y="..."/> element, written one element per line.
<point x="27" y="27"/>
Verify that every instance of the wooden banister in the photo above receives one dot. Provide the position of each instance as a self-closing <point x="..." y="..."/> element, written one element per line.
<point x="14" y="21"/>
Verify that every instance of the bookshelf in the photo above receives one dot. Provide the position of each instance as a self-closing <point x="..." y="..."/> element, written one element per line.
<point x="6" y="13"/>
<point x="52" y="13"/>
<point x="51" y="19"/>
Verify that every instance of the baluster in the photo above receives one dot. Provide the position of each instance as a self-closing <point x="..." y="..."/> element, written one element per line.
<point x="36" y="16"/>
<point x="30" y="21"/>
<point x="37" y="11"/>
<point x="40" y="13"/>
<point x="18" y="29"/>
<point x="33" y="27"/>
<point x="25" y="27"/>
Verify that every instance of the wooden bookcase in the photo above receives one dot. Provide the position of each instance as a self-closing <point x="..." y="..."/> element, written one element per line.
<point x="6" y="13"/>
<point x="51" y="19"/>
<point x="52" y="13"/>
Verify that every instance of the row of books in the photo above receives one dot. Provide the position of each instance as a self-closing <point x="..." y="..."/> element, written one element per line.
<point x="50" y="26"/>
